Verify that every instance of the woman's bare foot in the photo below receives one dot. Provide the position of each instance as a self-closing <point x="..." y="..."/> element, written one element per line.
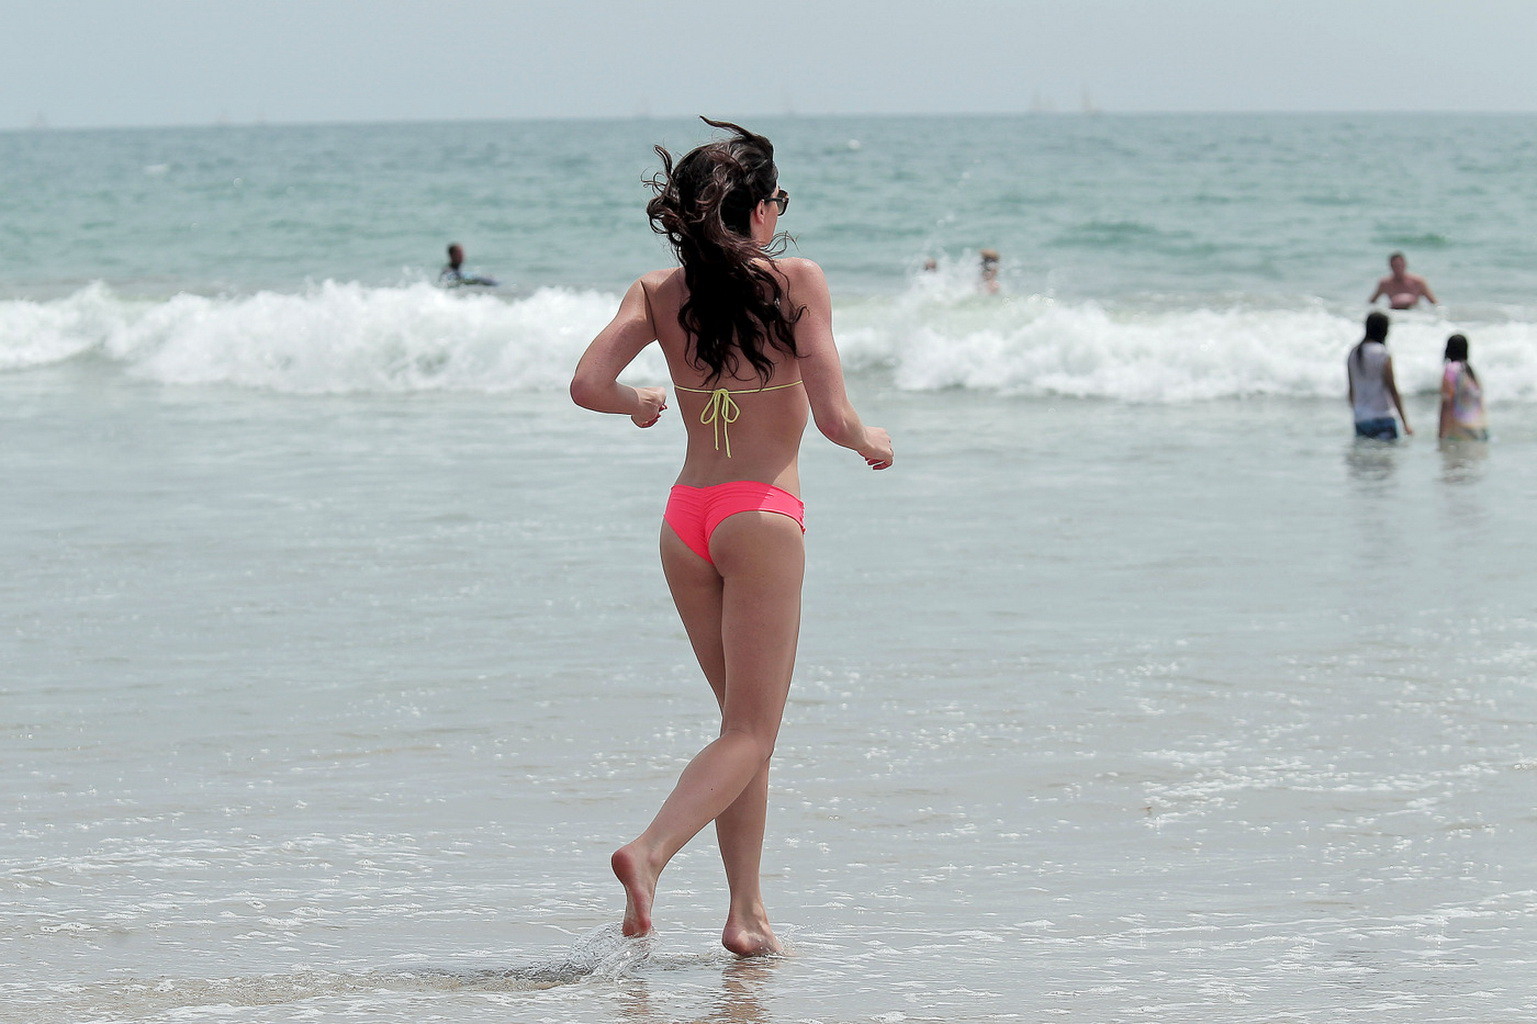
<point x="749" y="934"/>
<point x="639" y="883"/>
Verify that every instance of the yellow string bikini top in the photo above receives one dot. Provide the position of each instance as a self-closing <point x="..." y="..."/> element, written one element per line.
<point x="721" y="410"/>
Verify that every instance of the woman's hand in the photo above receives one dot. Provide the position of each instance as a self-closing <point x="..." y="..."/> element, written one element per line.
<point x="877" y="448"/>
<point x="652" y="403"/>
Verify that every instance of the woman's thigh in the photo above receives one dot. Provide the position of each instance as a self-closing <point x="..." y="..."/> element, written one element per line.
<point x="696" y="592"/>
<point x="761" y="558"/>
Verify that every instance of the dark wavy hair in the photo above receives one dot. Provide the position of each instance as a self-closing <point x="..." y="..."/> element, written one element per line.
<point x="1457" y="352"/>
<point x="1456" y="349"/>
<point x="1376" y="330"/>
<point x="704" y="206"/>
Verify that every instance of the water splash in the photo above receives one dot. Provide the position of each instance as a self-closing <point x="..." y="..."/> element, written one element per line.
<point x="938" y="333"/>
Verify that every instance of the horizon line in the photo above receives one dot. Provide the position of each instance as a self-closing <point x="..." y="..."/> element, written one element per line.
<point x="41" y="125"/>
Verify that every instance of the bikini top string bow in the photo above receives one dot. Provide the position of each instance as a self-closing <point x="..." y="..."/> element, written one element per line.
<point x="721" y="410"/>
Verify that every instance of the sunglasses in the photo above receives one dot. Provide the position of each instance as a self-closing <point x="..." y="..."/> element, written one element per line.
<point x="780" y="199"/>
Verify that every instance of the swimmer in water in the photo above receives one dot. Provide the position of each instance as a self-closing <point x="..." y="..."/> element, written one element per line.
<point x="1462" y="396"/>
<point x="453" y="276"/>
<point x="1402" y="289"/>
<point x="989" y="280"/>
<point x="747" y="336"/>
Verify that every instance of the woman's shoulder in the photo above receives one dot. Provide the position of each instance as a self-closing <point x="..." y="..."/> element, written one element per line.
<point x="655" y="280"/>
<point x="662" y="288"/>
<point x="805" y="284"/>
<point x="798" y="269"/>
<point x="663" y="292"/>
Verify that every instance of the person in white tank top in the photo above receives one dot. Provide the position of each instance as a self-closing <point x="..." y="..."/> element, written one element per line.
<point x="1373" y="391"/>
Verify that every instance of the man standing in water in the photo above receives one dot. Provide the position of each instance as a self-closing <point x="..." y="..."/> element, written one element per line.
<point x="1402" y="289"/>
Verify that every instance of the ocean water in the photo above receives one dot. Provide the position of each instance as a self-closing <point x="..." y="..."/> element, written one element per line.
<point x="335" y="659"/>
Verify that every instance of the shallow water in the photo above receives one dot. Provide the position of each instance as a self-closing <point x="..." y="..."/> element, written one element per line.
<point x="335" y="658"/>
<point x="333" y="707"/>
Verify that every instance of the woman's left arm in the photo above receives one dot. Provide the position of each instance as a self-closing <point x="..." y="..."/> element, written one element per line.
<point x="595" y="385"/>
<point x="1391" y="384"/>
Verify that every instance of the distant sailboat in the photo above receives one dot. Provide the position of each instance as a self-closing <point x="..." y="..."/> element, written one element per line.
<point x="1041" y="104"/>
<point x="1088" y="106"/>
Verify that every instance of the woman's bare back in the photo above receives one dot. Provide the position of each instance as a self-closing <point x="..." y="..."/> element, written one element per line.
<point x="746" y="434"/>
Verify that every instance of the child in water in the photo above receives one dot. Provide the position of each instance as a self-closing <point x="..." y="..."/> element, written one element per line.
<point x="1462" y="398"/>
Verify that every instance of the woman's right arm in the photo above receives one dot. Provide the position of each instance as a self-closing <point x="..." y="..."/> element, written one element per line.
<point x="595" y="385"/>
<point x="822" y="371"/>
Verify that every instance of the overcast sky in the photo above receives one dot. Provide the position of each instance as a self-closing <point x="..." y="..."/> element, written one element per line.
<point x="87" y="63"/>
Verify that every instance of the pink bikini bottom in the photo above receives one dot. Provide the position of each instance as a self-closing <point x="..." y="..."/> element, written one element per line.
<point x="695" y="512"/>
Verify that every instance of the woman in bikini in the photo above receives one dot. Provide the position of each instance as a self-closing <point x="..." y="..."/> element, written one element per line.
<point x="747" y="335"/>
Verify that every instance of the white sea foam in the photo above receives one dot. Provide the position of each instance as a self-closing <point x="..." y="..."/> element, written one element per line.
<point x="938" y="334"/>
<point x="942" y="334"/>
<point x="39" y="333"/>
<point x="331" y="338"/>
